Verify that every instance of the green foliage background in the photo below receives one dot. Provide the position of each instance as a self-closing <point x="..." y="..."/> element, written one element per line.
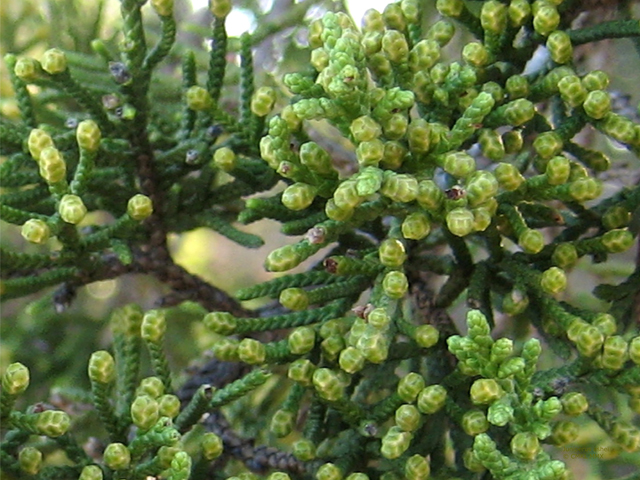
<point x="56" y="345"/>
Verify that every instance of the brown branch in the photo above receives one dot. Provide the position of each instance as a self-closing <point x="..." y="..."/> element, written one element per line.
<point x="260" y="458"/>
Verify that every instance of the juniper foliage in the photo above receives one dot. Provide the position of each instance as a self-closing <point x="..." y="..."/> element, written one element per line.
<point x="454" y="193"/>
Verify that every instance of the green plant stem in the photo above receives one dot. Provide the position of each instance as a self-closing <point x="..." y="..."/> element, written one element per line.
<point x="106" y="411"/>
<point x="272" y="288"/>
<point x="162" y="48"/>
<point x="217" y="60"/>
<point x="602" y="31"/>
<point x="196" y="407"/>
<point x="83" y="172"/>
<point x="25" y="104"/>
<point x="86" y="100"/>
<point x="160" y="364"/>
<point x="239" y="388"/>
<point x="20" y="286"/>
<point x="189" y="79"/>
<point x="297" y="319"/>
